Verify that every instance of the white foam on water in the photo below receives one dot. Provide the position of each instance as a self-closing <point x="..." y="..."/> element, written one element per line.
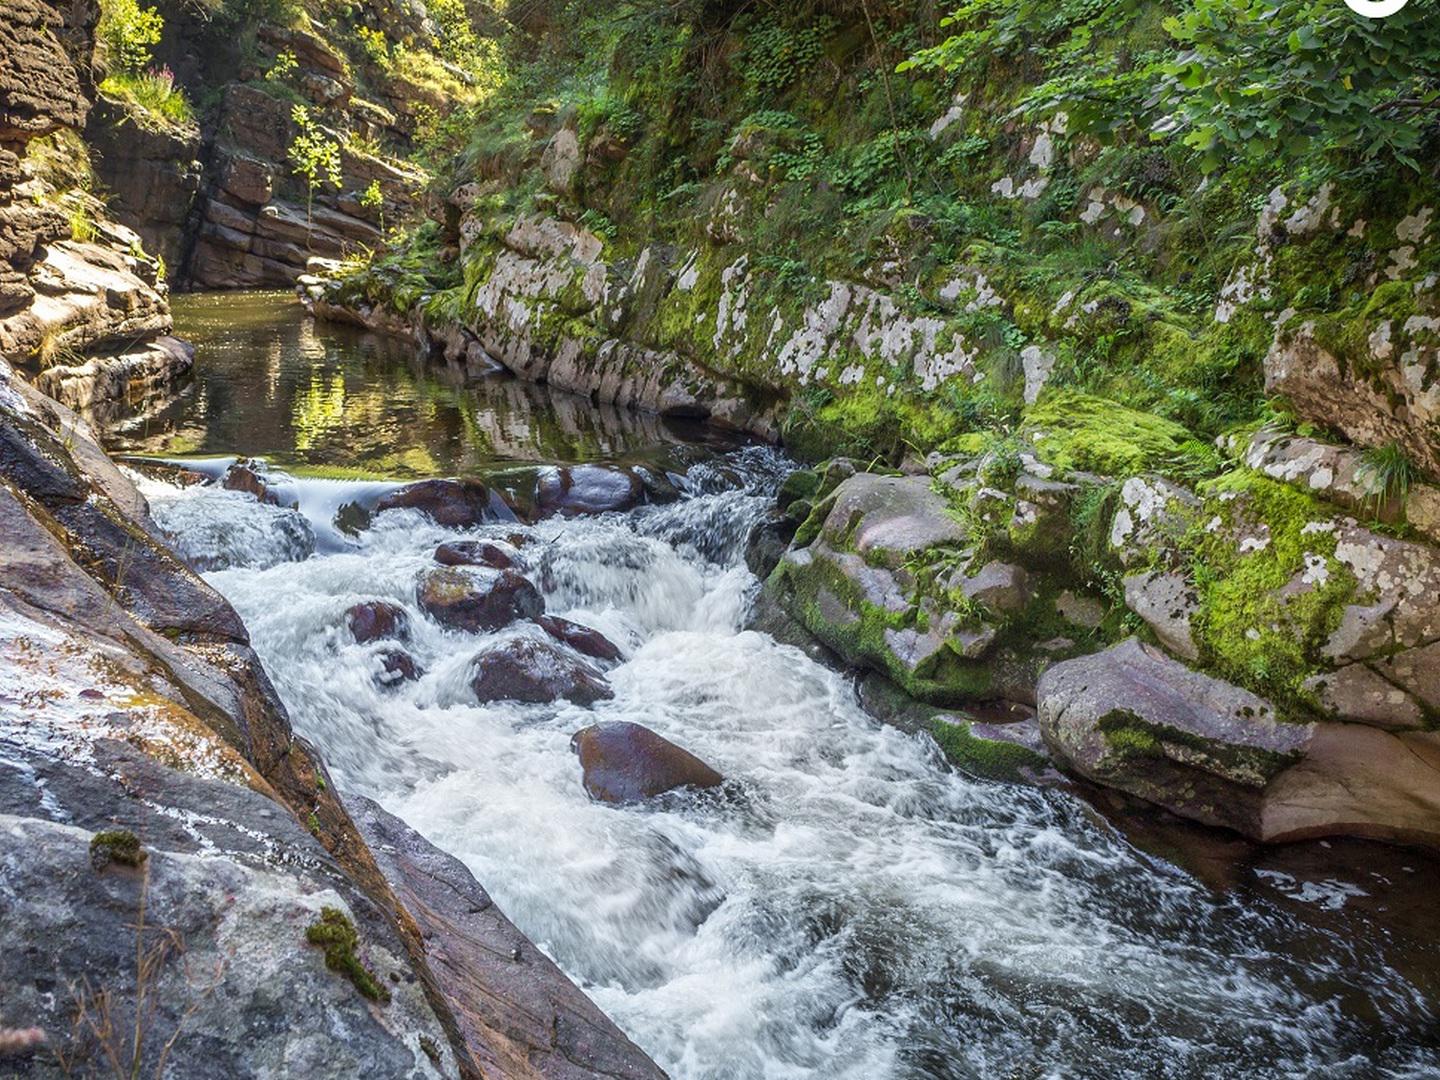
<point x="857" y="909"/>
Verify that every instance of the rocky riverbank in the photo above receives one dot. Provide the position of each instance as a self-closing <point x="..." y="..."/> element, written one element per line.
<point x="182" y="885"/>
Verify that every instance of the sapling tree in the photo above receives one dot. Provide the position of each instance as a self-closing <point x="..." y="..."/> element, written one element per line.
<point x="372" y="198"/>
<point x="314" y="158"/>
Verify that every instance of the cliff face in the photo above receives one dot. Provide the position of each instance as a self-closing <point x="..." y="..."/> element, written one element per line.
<point x="81" y="306"/>
<point x="219" y="193"/>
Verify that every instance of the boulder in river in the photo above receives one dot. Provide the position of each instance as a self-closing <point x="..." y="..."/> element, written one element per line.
<point x="474" y="553"/>
<point x="628" y="763"/>
<point x="455" y="504"/>
<point x="378" y="620"/>
<point x="475" y="599"/>
<point x="397" y="666"/>
<point x="250" y="477"/>
<point x="587" y="489"/>
<point x="534" y="671"/>
<point x="1132" y="718"/>
<point x="583" y="639"/>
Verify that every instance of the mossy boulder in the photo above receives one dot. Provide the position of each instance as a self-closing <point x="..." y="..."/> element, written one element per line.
<point x="1133" y="719"/>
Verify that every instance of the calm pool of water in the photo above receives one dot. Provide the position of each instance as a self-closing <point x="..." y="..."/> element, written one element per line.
<point x="321" y="398"/>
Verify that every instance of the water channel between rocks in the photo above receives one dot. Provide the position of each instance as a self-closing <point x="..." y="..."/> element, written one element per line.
<point x="855" y="907"/>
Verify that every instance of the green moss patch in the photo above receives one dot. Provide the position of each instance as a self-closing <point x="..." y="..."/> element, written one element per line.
<point x="335" y="933"/>
<point x="1071" y="430"/>
<point x="120" y="847"/>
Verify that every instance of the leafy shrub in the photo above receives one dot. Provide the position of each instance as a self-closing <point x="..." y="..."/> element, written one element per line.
<point x="129" y="34"/>
<point x="774" y="55"/>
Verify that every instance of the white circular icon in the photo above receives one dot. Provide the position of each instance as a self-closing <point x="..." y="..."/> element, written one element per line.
<point x="1375" y="9"/>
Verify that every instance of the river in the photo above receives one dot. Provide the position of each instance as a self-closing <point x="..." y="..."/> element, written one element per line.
<point x="857" y="908"/>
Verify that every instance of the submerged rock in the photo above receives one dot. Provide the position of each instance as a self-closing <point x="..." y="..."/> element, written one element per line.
<point x="475" y="599"/>
<point x="583" y="639"/>
<point x="250" y="477"/>
<point x="628" y="763"/>
<point x="534" y="671"/>
<point x="474" y="553"/>
<point x="397" y="666"/>
<point x="455" y="504"/>
<point x="376" y="620"/>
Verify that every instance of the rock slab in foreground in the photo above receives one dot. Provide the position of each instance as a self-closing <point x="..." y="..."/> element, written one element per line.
<point x="628" y="763"/>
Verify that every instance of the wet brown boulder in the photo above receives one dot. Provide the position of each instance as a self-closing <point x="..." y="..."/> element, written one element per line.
<point x="627" y="763"/>
<point x="456" y="504"/>
<point x="396" y="667"/>
<point x="587" y="489"/>
<point x="249" y="477"/>
<point x="474" y="553"/>
<point x="476" y="599"/>
<point x="529" y="670"/>
<point x="377" y="620"/>
<point x="583" y="639"/>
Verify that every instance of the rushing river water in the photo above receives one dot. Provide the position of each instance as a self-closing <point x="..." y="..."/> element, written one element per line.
<point x="859" y="910"/>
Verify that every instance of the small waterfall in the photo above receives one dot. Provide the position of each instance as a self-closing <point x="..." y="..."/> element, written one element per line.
<point x="858" y="909"/>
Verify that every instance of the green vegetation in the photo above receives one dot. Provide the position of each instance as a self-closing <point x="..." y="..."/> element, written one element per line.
<point x="336" y="934"/>
<point x="127" y="34"/>
<point x="119" y="846"/>
<point x="152" y="94"/>
<point x="313" y="157"/>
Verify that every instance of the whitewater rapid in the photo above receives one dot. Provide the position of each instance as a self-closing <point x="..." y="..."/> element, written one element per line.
<point x="860" y="910"/>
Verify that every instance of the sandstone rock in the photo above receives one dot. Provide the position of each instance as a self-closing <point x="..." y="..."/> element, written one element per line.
<point x="455" y="504"/>
<point x="626" y="763"/>
<point x="561" y="161"/>
<point x="1167" y="603"/>
<point x="248" y="179"/>
<point x="1358" y="694"/>
<point x="516" y="1011"/>
<point x="378" y="620"/>
<point x="1154" y="513"/>
<point x="474" y="600"/>
<point x="583" y="639"/>
<point x="87" y="297"/>
<point x="102" y="388"/>
<point x="1133" y="719"/>
<point x="852" y="589"/>
<point x="42" y="85"/>
<point x="528" y="670"/>
<point x="151" y="173"/>
<point x="1358" y="781"/>
<point x="474" y="553"/>
<point x="885" y="519"/>
<point x="1393" y="403"/>
<point x="1083" y="611"/>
